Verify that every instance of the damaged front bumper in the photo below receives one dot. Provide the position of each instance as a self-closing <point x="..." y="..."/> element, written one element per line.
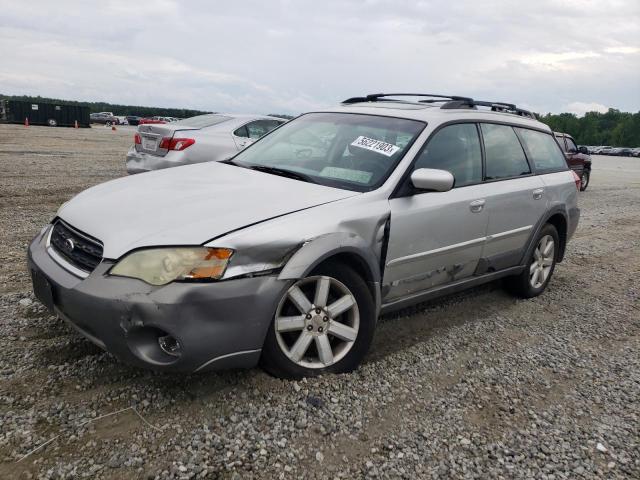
<point x="215" y="325"/>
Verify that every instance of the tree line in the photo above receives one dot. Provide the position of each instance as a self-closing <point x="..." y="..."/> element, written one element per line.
<point x="614" y="128"/>
<point x="112" y="107"/>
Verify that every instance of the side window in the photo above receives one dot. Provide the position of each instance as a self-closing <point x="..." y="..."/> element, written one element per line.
<point x="571" y="146"/>
<point x="241" y="132"/>
<point x="504" y="156"/>
<point x="560" y="140"/>
<point x="261" y="127"/>
<point x="455" y="148"/>
<point x="543" y="151"/>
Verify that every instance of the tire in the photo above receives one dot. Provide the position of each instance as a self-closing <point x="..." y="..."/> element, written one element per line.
<point x="52" y="122"/>
<point x="584" y="180"/>
<point x="523" y="285"/>
<point x="300" y="323"/>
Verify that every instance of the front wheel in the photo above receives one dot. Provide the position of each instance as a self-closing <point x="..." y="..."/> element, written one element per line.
<point x="584" y="180"/>
<point x="539" y="267"/>
<point x="324" y="323"/>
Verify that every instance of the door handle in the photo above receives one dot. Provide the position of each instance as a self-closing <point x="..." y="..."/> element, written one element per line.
<point x="537" y="193"/>
<point x="476" y="206"/>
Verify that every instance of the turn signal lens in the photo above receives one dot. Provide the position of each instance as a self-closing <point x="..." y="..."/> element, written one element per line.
<point x="159" y="266"/>
<point x="137" y="139"/>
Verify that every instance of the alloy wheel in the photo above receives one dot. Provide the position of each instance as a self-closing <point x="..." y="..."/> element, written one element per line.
<point x="317" y="322"/>
<point x="543" y="258"/>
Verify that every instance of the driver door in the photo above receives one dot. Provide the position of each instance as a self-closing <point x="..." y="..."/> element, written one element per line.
<point x="437" y="237"/>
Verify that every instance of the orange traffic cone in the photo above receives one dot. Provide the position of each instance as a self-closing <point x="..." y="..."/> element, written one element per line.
<point x="26" y="121"/>
<point x="75" y="124"/>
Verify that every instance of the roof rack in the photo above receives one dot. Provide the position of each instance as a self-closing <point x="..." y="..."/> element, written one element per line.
<point x="376" y="97"/>
<point x="494" y="106"/>
<point x="448" y="102"/>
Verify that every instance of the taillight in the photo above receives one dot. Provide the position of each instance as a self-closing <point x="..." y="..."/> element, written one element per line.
<point x="177" y="144"/>
<point x="137" y="139"/>
<point x="576" y="179"/>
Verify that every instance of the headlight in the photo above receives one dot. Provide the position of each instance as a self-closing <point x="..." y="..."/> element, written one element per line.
<point x="159" y="266"/>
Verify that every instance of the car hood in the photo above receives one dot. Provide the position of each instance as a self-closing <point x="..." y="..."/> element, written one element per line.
<point x="187" y="205"/>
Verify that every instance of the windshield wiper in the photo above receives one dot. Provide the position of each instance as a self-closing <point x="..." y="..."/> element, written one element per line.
<point x="283" y="172"/>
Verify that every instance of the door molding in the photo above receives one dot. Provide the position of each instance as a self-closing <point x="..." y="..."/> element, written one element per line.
<point x="457" y="246"/>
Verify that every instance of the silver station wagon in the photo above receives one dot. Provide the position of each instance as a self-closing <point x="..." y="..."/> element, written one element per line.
<point x="286" y="254"/>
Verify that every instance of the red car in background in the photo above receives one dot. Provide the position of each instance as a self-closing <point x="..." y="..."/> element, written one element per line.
<point x="578" y="158"/>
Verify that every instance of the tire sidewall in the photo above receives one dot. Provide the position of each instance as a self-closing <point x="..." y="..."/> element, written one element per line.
<point x="583" y="186"/>
<point x="546" y="230"/>
<point x="277" y="363"/>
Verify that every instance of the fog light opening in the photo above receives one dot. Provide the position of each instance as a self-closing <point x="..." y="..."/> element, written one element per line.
<point x="170" y="345"/>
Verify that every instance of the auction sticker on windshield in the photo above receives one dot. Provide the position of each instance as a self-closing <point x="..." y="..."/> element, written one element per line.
<point x="387" y="149"/>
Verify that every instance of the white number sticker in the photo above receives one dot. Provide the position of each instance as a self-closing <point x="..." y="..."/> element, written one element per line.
<point x="387" y="149"/>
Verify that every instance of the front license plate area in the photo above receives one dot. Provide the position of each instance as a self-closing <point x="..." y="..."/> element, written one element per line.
<point x="42" y="289"/>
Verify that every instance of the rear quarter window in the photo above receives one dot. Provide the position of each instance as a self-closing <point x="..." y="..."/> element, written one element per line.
<point x="543" y="151"/>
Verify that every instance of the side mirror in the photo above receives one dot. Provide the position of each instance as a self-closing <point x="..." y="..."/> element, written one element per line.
<point x="432" y="180"/>
<point x="584" y="150"/>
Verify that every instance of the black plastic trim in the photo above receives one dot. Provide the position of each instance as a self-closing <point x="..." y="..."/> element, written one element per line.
<point x="448" y="289"/>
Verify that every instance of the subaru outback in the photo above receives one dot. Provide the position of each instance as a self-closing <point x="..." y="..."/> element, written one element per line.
<point x="286" y="254"/>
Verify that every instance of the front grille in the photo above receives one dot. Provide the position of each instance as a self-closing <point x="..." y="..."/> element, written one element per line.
<point x="77" y="248"/>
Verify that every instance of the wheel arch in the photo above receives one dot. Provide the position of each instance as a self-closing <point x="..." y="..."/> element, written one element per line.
<point x="556" y="217"/>
<point x="346" y="249"/>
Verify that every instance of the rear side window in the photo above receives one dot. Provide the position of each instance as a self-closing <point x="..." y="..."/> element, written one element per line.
<point x="261" y="127"/>
<point x="504" y="156"/>
<point x="543" y="151"/>
<point x="560" y="140"/>
<point x="571" y="146"/>
<point x="455" y="148"/>
<point x="241" y="132"/>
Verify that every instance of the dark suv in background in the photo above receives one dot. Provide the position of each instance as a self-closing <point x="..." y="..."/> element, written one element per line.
<point x="578" y="158"/>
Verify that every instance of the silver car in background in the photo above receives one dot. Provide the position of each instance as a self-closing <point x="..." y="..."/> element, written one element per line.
<point x="204" y="138"/>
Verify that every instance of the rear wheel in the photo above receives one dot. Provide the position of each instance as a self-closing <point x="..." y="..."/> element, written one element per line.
<point x="323" y="323"/>
<point x="584" y="180"/>
<point x="539" y="267"/>
<point x="52" y="122"/>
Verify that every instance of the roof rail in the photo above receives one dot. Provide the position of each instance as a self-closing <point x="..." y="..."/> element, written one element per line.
<point x="494" y="106"/>
<point x="375" y="97"/>
<point x="449" y="102"/>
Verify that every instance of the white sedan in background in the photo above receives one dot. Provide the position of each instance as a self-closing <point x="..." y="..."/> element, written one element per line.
<point x="205" y="138"/>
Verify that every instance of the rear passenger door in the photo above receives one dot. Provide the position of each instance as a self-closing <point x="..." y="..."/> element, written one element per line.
<point x="517" y="200"/>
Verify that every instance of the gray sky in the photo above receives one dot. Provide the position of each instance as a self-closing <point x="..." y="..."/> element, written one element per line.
<point x="286" y="56"/>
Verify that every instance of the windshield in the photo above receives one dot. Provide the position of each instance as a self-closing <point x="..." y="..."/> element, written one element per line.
<point x="202" y="121"/>
<point x="343" y="150"/>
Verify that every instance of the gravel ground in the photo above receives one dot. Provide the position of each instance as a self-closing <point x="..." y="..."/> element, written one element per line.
<point x="477" y="385"/>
